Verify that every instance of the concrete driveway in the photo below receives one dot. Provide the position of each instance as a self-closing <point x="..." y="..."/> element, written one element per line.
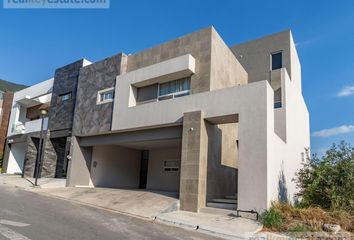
<point x="140" y="203"/>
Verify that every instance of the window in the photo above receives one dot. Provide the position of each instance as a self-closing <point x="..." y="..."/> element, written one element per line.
<point x="173" y="89"/>
<point x="147" y="94"/>
<point x="171" y="166"/>
<point x="105" y="96"/>
<point x="277" y="60"/>
<point x="64" y="97"/>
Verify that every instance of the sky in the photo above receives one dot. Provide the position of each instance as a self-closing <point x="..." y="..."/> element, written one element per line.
<point x="34" y="42"/>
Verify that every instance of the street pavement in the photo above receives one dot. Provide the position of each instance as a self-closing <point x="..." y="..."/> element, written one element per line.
<point x="29" y="216"/>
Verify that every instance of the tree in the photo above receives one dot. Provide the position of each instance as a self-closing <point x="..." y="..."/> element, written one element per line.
<point x="328" y="181"/>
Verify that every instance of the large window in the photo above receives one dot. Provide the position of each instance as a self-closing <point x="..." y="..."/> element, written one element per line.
<point x="173" y="89"/>
<point x="277" y="60"/>
<point x="105" y="96"/>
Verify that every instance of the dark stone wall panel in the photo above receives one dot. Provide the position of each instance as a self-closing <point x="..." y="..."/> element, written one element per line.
<point x="65" y="81"/>
<point x="90" y="117"/>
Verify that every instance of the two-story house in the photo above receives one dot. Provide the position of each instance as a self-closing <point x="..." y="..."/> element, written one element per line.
<point x="217" y="124"/>
<point x="196" y="117"/>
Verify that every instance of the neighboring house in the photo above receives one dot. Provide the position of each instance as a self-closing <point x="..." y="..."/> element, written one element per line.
<point x="24" y="127"/>
<point x="192" y="115"/>
<point x="57" y="96"/>
<point x="6" y="98"/>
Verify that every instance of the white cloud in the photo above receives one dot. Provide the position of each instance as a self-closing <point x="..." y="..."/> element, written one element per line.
<point x="304" y="43"/>
<point x="347" y="91"/>
<point x="334" y="131"/>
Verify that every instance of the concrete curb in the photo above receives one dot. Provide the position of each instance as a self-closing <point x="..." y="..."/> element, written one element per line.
<point x="202" y="229"/>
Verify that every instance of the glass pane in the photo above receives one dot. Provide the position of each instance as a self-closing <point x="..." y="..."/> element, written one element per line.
<point x="163" y="89"/>
<point x="173" y="87"/>
<point x="276" y="61"/>
<point x="186" y="84"/>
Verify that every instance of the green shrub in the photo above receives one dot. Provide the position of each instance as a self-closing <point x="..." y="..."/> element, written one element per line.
<point x="272" y="218"/>
<point x="328" y="181"/>
<point x="298" y="228"/>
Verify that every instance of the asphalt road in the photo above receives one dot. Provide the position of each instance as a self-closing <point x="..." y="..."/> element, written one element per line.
<point x="29" y="216"/>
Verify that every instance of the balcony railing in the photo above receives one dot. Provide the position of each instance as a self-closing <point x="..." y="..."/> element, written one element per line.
<point x="35" y="125"/>
<point x="30" y="126"/>
<point x="18" y="128"/>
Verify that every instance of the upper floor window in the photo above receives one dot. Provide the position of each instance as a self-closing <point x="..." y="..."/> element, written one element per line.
<point x="65" y="97"/>
<point x="173" y="89"/>
<point x="105" y="96"/>
<point x="277" y="60"/>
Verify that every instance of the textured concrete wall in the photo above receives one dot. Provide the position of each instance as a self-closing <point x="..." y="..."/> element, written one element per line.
<point x="226" y="70"/>
<point x="198" y="44"/>
<point x="158" y="179"/>
<point x="114" y="166"/>
<point x="80" y="165"/>
<point x="90" y="118"/>
<point x="255" y="55"/>
<point x="229" y="148"/>
<point x="222" y="171"/>
<point x="193" y="162"/>
<point x="65" y="81"/>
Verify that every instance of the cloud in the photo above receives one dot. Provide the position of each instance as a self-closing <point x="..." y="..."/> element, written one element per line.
<point x="347" y="91"/>
<point x="304" y="43"/>
<point x="334" y="131"/>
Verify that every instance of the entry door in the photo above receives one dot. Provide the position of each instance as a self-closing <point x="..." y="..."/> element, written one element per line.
<point x="143" y="169"/>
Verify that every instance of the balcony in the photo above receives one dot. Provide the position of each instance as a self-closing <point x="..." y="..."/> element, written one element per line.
<point x="30" y="126"/>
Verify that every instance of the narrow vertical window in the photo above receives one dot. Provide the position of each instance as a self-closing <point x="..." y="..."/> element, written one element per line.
<point x="277" y="60"/>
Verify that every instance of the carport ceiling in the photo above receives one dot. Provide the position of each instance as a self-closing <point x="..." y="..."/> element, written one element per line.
<point x="146" y="145"/>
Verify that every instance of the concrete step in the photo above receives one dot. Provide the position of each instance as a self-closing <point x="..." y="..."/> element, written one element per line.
<point x="230" y="206"/>
<point x="218" y="211"/>
<point x="224" y="200"/>
<point x="231" y="197"/>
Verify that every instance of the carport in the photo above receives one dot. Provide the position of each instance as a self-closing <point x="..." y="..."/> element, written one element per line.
<point x="146" y="159"/>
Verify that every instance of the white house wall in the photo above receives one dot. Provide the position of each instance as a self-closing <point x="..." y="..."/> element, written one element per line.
<point x="42" y="90"/>
<point x="16" y="158"/>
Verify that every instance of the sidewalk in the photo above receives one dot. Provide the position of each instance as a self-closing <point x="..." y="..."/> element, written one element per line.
<point x="224" y="226"/>
<point x="28" y="183"/>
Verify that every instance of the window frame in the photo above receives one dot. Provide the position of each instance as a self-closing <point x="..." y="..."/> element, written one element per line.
<point x="65" y="94"/>
<point x="170" y="169"/>
<point x="174" y="94"/>
<point x="101" y="93"/>
<point x="271" y="60"/>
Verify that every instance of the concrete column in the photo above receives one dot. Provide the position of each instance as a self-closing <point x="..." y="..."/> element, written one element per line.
<point x="79" y="169"/>
<point x="193" y="162"/>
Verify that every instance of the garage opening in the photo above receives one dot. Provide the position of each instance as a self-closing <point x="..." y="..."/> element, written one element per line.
<point x="150" y="165"/>
<point x="16" y="158"/>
